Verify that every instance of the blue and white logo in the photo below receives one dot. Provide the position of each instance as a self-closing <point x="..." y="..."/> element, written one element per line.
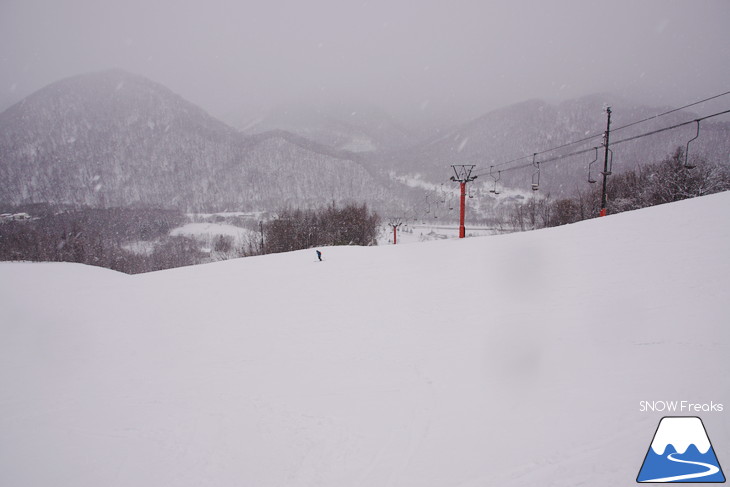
<point x="680" y="452"/>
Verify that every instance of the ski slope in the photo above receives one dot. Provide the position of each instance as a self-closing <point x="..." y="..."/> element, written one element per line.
<point x="514" y="360"/>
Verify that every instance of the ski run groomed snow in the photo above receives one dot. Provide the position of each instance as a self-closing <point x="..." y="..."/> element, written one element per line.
<point x="515" y="360"/>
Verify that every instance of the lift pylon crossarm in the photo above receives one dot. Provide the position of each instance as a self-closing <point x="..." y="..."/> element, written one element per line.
<point x="463" y="173"/>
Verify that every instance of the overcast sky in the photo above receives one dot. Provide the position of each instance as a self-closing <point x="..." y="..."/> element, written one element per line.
<point x="411" y="57"/>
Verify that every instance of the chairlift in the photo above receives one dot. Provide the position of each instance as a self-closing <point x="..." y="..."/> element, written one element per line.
<point x="610" y="163"/>
<point x="687" y="165"/>
<point x="469" y="193"/>
<point x="443" y="194"/>
<point x="536" y="174"/>
<point x="590" y="178"/>
<point x="491" y="175"/>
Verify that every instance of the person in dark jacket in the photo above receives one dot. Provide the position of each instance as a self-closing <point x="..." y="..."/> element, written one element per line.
<point x="319" y="255"/>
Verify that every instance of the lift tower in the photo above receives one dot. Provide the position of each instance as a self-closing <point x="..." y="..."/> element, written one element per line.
<point x="606" y="167"/>
<point x="462" y="175"/>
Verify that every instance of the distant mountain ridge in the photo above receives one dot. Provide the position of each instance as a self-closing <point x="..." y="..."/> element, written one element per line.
<point x="116" y="139"/>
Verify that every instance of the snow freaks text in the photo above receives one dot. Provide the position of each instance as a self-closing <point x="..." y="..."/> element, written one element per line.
<point x="679" y="407"/>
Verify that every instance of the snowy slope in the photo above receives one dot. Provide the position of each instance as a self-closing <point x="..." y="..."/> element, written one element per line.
<point x="516" y="360"/>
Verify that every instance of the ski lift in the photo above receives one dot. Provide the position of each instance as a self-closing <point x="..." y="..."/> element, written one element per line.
<point x="441" y="196"/>
<point x="499" y="176"/>
<point x="610" y="163"/>
<point x="536" y="174"/>
<point x="687" y="165"/>
<point x="590" y="178"/>
<point x="435" y="205"/>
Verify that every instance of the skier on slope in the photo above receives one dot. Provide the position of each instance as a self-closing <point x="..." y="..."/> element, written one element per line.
<point x="319" y="255"/>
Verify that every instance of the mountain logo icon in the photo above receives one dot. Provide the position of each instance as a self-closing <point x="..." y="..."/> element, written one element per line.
<point x="680" y="452"/>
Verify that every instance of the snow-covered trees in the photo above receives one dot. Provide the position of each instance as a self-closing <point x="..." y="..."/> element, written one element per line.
<point x="672" y="181"/>
<point x="102" y="237"/>
<point x="303" y="229"/>
<point x="648" y="185"/>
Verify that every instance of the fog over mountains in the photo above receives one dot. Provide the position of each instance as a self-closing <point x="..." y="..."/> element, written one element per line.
<point x="116" y="139"/>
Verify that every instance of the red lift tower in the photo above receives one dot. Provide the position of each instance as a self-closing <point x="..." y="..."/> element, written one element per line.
<point x="462" y="175"/>
<point x="395" y="226"/>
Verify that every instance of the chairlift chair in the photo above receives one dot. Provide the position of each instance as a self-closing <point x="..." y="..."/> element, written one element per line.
<point x="499" y="176"/>
<point x="590" y="178"/>
<point x="687" y="165"/>
<point x="536" y="174"/>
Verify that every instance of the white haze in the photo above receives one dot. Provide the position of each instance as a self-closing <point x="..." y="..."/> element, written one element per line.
<point x="415" y="59"/>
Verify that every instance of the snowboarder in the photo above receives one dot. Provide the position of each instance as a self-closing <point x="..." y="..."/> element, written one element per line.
<point x="319" y="255"/>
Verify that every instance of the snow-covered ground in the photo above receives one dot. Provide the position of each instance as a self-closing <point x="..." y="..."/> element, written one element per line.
<point x="208" y="232"/>
<point x="514" y="360"/>
<point x="419" y="232"/>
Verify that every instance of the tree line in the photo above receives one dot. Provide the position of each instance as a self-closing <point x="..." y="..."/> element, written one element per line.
<point x="134" y="240"/>
<point x="295" y="229"/>
<point x="100" y="237"/>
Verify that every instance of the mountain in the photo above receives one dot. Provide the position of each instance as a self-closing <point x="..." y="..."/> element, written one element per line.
<point x="354" y="128"/>
<point x="361" y="371"/>
<point x="517" y="131"/>
<point x="116" y="139"/>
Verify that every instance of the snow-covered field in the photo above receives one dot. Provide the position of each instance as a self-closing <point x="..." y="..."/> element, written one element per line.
<point x="208" y="232"/>
<point x="515" y="360"/>
<point x="423" y="232"/>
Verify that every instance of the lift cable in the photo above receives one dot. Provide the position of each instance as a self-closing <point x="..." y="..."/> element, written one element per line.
<point x="617" y="142"/>
<point x="670" y="111"/>
<point x="669" y="128"/>
<point x="590" y="137"/>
